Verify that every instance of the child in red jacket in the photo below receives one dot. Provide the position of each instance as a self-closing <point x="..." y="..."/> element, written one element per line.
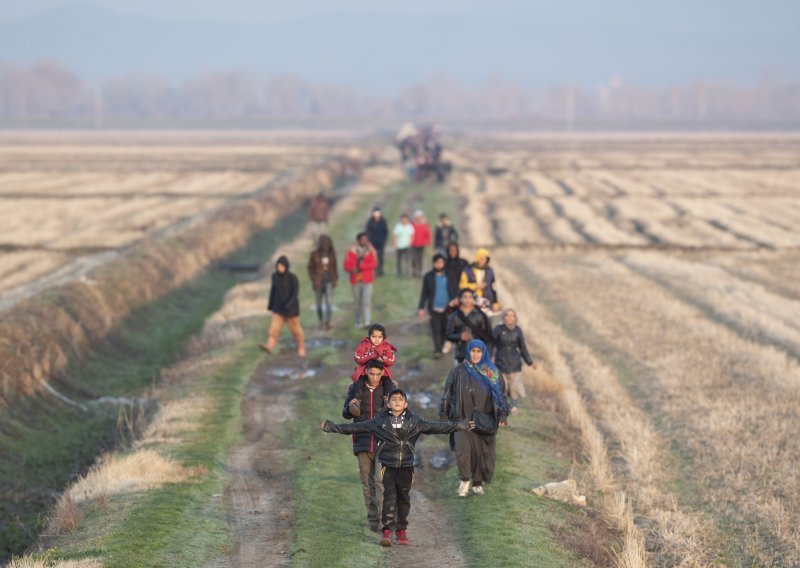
<point x="374" y="346"/>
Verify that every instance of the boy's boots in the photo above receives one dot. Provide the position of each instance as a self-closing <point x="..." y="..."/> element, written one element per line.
<point x="402" y="538"/>
<point x="386" y="539"/>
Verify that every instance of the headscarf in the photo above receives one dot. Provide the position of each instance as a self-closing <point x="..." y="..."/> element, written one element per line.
<point x="485" y="372"/>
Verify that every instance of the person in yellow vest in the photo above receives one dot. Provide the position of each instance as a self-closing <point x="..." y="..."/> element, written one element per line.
<point x="479" y="277"/>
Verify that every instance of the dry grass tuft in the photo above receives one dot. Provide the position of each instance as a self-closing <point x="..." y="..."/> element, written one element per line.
<point x="131" y="473"/>
<point x="174" y="419"/>
<point x="66" y="516"/>
<point x="212" y="337"/>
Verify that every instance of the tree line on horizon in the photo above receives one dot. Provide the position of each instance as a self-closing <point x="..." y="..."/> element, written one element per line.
<point x="49" y="91"/>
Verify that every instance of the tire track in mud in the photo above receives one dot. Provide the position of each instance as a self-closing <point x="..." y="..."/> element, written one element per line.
<point x="258" y="496"/>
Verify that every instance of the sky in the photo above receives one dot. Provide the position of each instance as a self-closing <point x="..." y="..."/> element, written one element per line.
<point x="692" y="15"/>
<point x="531" y="42"/>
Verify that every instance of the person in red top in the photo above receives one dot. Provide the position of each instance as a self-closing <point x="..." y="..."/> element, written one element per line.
<point x="360" y="262"/>
<point x="422" y="239"/>
<point x="374" y="346"/>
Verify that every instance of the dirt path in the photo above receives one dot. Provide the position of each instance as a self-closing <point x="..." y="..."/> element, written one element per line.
<point x="258" y="497"/>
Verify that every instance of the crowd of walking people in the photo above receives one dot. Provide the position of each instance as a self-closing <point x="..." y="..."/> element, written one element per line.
<point x="458" y="298"/>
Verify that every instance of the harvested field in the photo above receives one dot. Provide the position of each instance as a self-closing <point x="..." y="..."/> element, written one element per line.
<point x="91" y="292"/>
<point x="659" y="276"/>
<point x="66" y="198"/>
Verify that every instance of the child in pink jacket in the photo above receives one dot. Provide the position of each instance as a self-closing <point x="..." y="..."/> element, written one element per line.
<point x="374" y="346"/>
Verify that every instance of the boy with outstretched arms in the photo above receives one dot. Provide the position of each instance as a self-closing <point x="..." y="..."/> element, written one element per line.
<point x="397" y="431"/>
<point x="366" y="398"/>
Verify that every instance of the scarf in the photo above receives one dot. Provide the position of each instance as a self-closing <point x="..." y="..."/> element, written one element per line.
<point x="484" y="371"/>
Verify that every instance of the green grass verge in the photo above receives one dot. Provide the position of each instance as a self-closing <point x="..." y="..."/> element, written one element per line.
<point x="180" y="524"/>
<point x="45" y="443"/>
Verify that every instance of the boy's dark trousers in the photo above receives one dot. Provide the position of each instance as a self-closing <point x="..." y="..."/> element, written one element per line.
<point x="396" y="497"/>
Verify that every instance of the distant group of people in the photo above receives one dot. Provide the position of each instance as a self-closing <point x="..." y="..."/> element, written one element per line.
<point x="458" y="297"/>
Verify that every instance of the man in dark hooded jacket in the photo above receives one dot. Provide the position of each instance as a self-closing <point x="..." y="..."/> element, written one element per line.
<point x="285" y="307"/>
<point x="377" y="233"/>
<point x="365" y="399"/>
<point x="466" y="323"/>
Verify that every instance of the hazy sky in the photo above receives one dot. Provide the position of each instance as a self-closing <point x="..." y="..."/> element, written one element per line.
<point x="685" y="15"/>
<point x="385" y="45"/>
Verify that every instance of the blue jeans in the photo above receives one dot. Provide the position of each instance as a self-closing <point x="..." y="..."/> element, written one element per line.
<point x="362" y="296"/>
<point x="325" y="293"/>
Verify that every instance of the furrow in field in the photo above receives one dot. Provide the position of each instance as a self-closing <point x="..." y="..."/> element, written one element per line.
<point x="626" y="453"/>
<point x="748" y="309"/>
<point x="728" y="406"/>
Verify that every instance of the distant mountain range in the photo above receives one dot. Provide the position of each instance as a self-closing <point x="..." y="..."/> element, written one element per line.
<point x="381" y="52"/>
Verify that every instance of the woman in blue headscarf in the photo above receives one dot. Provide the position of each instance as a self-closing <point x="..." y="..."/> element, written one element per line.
<point x="474" y="384"/>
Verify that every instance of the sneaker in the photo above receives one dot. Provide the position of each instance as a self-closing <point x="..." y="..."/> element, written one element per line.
<point x="463" y="488"/>
<point x="386" y="539"/>
<point x="437" y="355"/>
<point x="447" y="347"/>
<point x="402" y="538"/>
<point x="477" y="489"/>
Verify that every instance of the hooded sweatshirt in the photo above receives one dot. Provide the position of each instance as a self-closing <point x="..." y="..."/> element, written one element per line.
<point x="474" y="275"/>
<point x="283" y="295"/>
<point x="453" y="267"/>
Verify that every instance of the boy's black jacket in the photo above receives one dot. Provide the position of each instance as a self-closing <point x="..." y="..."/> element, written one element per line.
<point x="396" y="445"/>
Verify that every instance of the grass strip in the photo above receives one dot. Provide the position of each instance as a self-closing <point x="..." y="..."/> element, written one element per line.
<point x="179" y="524"/>
<point x="45" y="443"/>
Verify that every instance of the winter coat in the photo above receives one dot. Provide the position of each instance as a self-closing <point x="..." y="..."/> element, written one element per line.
<point x="422" y="235"/>
<point x="371" y="403"/>
<point x="443" y="236"/>
<point x="319" y="269"/>
<point x="377" y="232"/>
<point x="361" y="269"/>
<point x="469" y="280"/>
<point x="454" y="267"/>
<point x="428" y="292"/>
<point x="396" y="445"/>
<point x="457" y="398"/>
<point x="510" y="349"/>
<point x="366" y="351"/>
<point x="283" y="294"/>
<point x="455" y="327"/>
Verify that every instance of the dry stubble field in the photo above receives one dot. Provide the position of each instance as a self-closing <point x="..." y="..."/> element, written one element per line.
<point x="660" y="278"/>
<point x="70" y="201"/>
